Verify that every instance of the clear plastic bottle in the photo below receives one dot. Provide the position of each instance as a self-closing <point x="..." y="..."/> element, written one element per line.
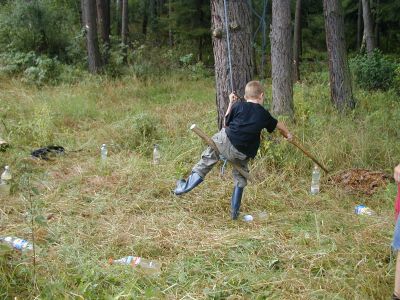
<point x="104" y="152"/>
<point x="150" y="266"/>
<point x="5" y="181"/>
<point x="316" y="175"/>
<point x="260" y="216"/>
<point x="364" y="210"/>
<point x="156" y="155"/>
<point x="6" y="175"/>
<point x="16" y="243"/>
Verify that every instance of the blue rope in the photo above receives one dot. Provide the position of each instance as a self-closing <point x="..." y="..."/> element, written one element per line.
<point x="228" y="45"/>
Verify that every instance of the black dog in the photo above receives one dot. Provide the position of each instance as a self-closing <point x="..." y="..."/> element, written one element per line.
<point x="43" y="153"/>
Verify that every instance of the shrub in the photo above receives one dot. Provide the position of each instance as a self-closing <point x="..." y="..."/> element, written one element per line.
<point x="396" y="80"/>
<point x="36" y="25"/>
<point x="12" y="63"/>
<point x="138" y="132"/>
<point x="374" y="71"/>
<point x="35" y="69"/>
<point x="45" y="70"/>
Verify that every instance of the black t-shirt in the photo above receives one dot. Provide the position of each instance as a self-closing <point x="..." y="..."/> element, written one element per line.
<point x="244" y="125"/>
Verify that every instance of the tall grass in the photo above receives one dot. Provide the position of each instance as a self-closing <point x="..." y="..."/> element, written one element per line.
<point x="309" y="247"/>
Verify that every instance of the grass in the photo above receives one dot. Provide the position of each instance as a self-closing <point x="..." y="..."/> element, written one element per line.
<point x="309" y="247"/>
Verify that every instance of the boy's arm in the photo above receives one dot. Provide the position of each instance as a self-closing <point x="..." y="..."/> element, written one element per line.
<point x="283" y="130"/>
<point x="232" y="100"/>
<point x="397" y="174"/>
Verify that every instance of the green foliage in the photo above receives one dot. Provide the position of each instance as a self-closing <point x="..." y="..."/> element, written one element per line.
<point x="373" y="72"/>
<point x="37" y="69"/>
<point x="42" y="26"/>
<point x="45" y="70"/>
<point x="138" y="132"/>
<point x="12" y="63"/>
<point x="396" y="80"/>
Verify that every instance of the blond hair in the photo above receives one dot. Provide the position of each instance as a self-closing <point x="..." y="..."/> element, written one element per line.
<point x="253" y="90"/>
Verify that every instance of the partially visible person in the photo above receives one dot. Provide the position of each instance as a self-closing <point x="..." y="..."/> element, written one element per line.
<point x="396" y="242"/>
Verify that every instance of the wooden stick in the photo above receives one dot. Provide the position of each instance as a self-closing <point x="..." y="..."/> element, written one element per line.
<point x="298" y="145"/>
<point x="211" y="143"/>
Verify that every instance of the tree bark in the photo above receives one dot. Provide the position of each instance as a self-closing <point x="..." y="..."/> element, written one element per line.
<point x="124" y="28"/>
<point x="103" y="20"/>
<point x="359" y="25"/>
<point x="377" y="21"/>
<point x="145" y="18"/>
<point x="118" y="16"/>
<point x="339" y="72"/>
<point x="103" y="23"/>
<point x="82" y="13"/>
<point x="170" y="36"/>
<point x="94" y="58"/>
<point x="239" y="20"/>
<point x="281" y="58"/>
<point x="368" y="27"/>
<point x="297" y="42"/>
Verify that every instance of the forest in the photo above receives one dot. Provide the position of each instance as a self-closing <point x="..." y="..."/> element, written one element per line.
<point x="98" y="101"/>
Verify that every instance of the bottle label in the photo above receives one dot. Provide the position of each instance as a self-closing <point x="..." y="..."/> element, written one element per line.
<point x="135" y="261"/>
<point x="363" y="210"/>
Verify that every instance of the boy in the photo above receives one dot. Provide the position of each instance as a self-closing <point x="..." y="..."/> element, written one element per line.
<point x="396" y="243"/>
<point x="238" y="141"/>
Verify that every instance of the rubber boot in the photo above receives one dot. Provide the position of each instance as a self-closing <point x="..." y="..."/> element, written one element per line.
<point x="235" y="202"/>
<point x="184" y="186"/>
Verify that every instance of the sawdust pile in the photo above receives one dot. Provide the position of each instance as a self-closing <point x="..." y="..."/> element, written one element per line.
<point x="360" y="180"/>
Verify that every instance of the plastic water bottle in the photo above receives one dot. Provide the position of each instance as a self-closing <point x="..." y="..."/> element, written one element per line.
<point x="316" y="175"/>
<point x="363" y="210"/>
<point x="6" y="175"/>
<point x="5" y="181"/>
<point x="104" y="152"/>
<point x="248" y="218"/>
<point x="150" y="266"/>
<point x="260" y="216"/>
<point x="156" y="155"/>
<point x="16" y="243"/>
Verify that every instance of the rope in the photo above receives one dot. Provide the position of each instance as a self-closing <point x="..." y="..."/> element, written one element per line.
<point x="225" y="161"/>
<point x="228" y="45"/>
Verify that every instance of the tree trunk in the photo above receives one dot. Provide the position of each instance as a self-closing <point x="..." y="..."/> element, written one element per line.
<point x="83" y="18"/>
<point x="359" y="25"/>
<point x="368" y="27"/>
<point x="170" y="36"/>
<point x="124" y="28"/>
<point x="118" y="15"/>
<point x="339" y="72"/>
<point x="239" y="20"/>
<point x="281" y="58"/>
<point x="103" y="22"/>
<point x="145" y="18"/>
<point x="297" y="42"/>
<point x="94" y="58"/>
<point x="199" y="4"/>
<point x="377" y="20"/>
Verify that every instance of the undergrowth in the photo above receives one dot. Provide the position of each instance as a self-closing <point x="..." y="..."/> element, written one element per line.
<point x="309" y="247"/>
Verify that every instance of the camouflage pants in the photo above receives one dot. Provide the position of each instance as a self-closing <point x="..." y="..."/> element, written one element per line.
<point x="209" y="158"/>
